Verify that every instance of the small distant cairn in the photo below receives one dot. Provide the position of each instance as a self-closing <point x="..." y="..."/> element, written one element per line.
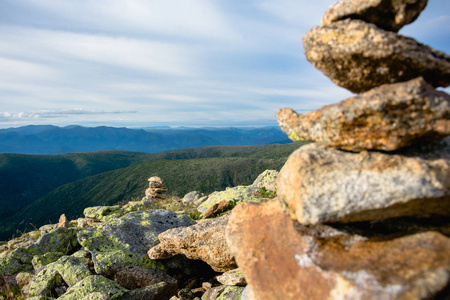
<point x="156" y="189"/>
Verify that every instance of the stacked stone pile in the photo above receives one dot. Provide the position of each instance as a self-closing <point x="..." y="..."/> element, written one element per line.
<point x="156" y="189"/>
<point x="362" y="213"/>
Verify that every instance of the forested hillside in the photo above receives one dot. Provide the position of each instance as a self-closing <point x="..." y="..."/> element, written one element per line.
<point x="205" y="169"/>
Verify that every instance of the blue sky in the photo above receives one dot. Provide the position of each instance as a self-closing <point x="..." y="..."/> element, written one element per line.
<point x="172" y="62"/>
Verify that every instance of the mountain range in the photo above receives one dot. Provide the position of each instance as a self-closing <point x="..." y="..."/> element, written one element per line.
<point x="49" y="139"/>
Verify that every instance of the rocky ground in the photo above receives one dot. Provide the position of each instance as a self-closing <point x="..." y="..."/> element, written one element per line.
<point x="134" y="251"/>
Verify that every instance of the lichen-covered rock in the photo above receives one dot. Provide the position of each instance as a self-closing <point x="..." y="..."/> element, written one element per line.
<point x="94" y="284"/>
<point x="386" y="14"/>
<point x="231" y="293"/>
<point x="143" y="204"/>
<point x="360" y="56"/>
<point x="96" y="296"/>
<point x="204" y="241"/>
<point x="47" y="228"/>
<point x="39" y="261"/>
<point x="103" y="213"/>
<point x="213" y="293"/>
<point x="68" y="270"/>
<point x="192" y="197"/>
<point x="87" y="222"/>
<point x="281" y="259"/>
<point x="238" y="194"/>
<point x="157" y="291"/>
<point x="267" y="180"/>
<point x="59" y="240"/>
<point x="319" y="184"/>
<point x="23" y="278"/>
<point x="388" y="117"/>
<point x="125" y="241"/>
<point x="232" y="277"/>
<point x="20" y="243"/>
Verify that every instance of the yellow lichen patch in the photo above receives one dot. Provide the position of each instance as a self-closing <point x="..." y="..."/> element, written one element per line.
<point x="294" y="137"/>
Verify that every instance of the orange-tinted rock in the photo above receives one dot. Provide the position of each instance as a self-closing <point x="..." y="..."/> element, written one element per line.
<point x="360" y="56"/>
<point x="284" y="260"/>
<point x="386" y="14"/>
<point x="63" y="222"/>
<point x="203" y="241"/>
<point x="385" y="118"/>
<point x="320" y="184"/>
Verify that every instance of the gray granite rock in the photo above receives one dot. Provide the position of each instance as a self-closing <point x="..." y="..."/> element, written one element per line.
<point x="319" y="184"/>
<point x="360" y="56"/>
<point x="386" y="14"/>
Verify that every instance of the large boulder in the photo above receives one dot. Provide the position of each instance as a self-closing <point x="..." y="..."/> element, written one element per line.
<point x="281" y="259"/>
<point x="386" y="14"/>
<point x="385" y="118"/>
<point x="203" y="241"/>
<point x="360" y="56"/>
<point x="125" y="241"/>
<point x="319" y="184"/>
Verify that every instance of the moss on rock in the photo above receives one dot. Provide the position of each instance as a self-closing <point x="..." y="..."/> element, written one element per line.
<point x="39" y="261"/>
<point x="94" y="284"/>
<point x="235" y="194"/>
<point x="68" y="270"/>
<point x="125" y="241"/>
<point x="104" y="213"/>
<point x="231" y="293"/>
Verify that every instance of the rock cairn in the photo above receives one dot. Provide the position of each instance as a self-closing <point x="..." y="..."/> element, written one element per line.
<point x="362" y="213"/>
<point x="156" y="189"/>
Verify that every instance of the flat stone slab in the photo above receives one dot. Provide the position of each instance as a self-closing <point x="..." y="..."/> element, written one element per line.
<point x="360" y="56"/>
<point x="386" y="14"/>
<point x="284" y="260"/>
<point x="319" y="184"/>
<point x="387" y="118"/>
<point x="124" y="241"/>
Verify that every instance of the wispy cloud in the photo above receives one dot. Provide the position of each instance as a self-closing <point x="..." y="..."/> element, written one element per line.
<point x="46" y="114"/>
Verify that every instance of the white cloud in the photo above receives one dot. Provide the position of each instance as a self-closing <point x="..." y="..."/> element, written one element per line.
<point x="13" y="69"/>
<point x="194" y="19"/>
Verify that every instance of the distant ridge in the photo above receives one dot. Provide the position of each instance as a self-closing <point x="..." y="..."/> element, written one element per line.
<point x="49" y="139"/>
